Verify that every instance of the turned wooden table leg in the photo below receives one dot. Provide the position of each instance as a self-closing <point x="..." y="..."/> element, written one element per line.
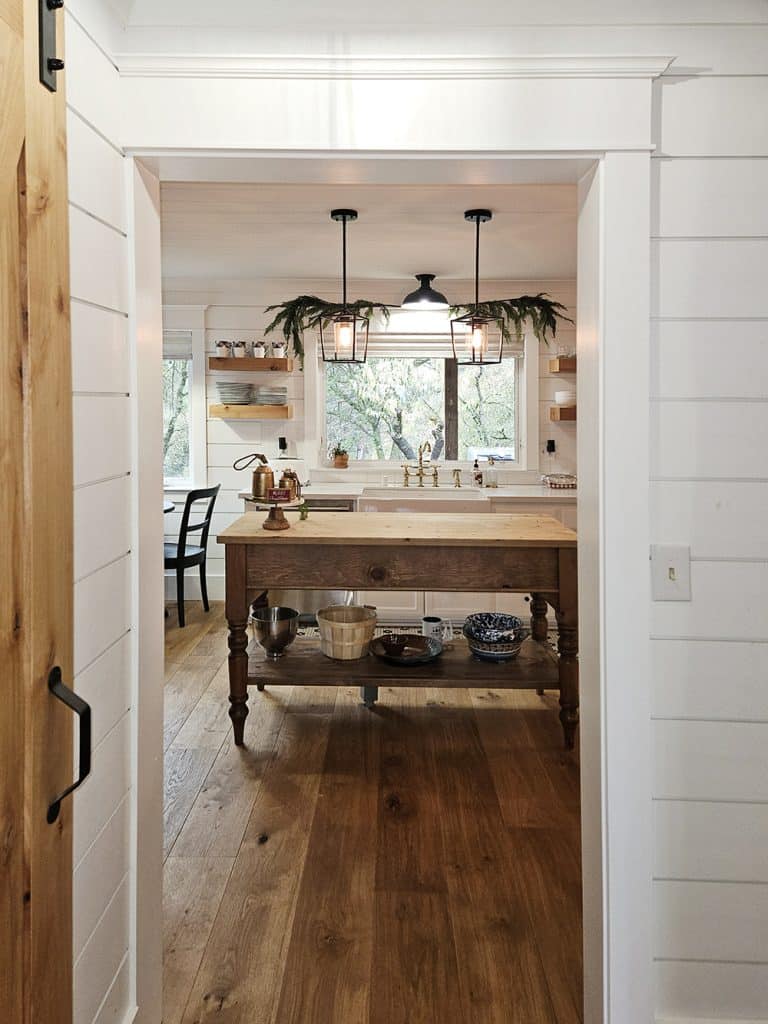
<point x="568" y="645"/>
<point x="539" y="618"/>
<point x="236" y="609"/>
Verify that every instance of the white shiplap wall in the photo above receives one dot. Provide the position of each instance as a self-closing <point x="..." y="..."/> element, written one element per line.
<point x="228" y="440"/>
<point x="102" y="464"/>
<point x="709" y="489"/>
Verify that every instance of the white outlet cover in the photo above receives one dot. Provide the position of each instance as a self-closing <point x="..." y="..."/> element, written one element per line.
<point x="670" y="572"/>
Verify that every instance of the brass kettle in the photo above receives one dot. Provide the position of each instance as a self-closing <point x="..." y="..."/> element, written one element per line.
<point x="290" y="480"/>
<point x="263" y="477"/>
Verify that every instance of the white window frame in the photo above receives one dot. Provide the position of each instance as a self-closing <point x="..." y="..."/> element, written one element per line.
<point x="189" y="321"/>
<point x="527" y="410"/>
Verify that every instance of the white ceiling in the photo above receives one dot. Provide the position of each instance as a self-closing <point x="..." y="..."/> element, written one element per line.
<point x="226" y="231"/>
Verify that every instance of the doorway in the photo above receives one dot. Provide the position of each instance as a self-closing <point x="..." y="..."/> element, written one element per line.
<point x="590" y="511"/>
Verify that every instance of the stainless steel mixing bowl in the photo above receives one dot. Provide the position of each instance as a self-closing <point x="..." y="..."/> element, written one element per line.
<point x="275" y="629"/>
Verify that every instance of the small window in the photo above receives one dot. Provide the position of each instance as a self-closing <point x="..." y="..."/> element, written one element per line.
<point x="386" y="408"/>
<point x="177" y="380"/>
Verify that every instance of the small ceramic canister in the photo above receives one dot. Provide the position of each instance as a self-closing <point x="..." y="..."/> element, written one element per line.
<point x="259" y="350"/>
<point x="278" y="349"/>
<point x="239" y="349"/>
<point x="223" y="349"/>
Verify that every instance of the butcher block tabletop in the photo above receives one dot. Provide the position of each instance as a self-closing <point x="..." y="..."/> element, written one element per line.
<point x="448" y="529"/>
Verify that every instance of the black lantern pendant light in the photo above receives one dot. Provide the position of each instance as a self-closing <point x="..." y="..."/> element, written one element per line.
<point x="425" y="296"/>
<point x="476" y="340"/>
<point x="345" y="338"/>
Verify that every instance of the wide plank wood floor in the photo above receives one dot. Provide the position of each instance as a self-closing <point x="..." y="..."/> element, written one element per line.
<point x="418" y="864"/>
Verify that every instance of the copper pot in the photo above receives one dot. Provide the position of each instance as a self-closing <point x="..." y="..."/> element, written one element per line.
<point x="263" y="477"/>
<point x="290" y="480"/>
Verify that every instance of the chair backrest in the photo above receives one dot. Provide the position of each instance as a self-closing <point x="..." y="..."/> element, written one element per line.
<point x="204" y="524"/>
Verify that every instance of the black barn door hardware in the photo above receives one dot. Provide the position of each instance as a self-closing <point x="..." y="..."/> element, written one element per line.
<point x="49" y="62"/>
<point x="83" y="711"/>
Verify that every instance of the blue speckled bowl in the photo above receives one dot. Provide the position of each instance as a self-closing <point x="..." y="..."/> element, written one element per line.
<point x="494" y="635"/>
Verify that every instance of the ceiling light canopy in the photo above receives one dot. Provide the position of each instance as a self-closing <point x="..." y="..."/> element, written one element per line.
<point x="425" y="296"/>
<point x="476" y="339"/>
<point x="345" y="338"/>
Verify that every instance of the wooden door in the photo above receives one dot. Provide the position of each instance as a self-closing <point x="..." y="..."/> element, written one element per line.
<point x="35" y="533"/>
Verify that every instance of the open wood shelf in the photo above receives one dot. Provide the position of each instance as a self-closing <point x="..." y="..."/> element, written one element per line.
<point x="251" y="412"/>
<point x="304" y="665"/>
<point x="284" y="365"/>
<point x="562" y="413"/>
<point x="563" y="364"/>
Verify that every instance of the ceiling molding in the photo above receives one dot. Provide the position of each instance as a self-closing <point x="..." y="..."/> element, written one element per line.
<point x="325" y="67"/>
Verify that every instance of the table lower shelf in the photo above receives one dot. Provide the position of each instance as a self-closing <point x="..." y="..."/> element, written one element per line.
<point x="536" y="667"/>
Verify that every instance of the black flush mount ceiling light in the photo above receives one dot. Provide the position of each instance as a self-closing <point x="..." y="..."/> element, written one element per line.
<point x="476" y="339"/>
<point x="344" y="337"/>
<point x="425" y="296"/>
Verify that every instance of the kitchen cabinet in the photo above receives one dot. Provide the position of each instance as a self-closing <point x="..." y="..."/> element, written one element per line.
<point x="395" y="606"/>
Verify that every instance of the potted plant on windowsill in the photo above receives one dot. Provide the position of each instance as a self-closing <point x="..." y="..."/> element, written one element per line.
<point x="340" y="457"/>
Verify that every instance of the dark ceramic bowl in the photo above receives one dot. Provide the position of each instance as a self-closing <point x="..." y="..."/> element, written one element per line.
<point x="494" y="628"/>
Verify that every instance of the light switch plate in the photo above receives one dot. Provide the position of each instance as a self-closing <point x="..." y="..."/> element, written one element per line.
<point x="670" y="572"/>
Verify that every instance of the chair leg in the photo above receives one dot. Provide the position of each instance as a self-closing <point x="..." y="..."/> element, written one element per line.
<point x="204" y="587"/>
<point x="180" y="594"/>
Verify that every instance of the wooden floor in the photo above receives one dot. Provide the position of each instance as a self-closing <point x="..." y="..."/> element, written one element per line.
<point x="418" y="864"/>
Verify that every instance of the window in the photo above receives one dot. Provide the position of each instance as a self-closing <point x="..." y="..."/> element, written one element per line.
<point x="177" y="381"/>
<point x="390" y="405"/>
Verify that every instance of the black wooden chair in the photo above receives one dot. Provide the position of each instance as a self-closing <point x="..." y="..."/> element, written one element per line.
<point x="182" y="556"/>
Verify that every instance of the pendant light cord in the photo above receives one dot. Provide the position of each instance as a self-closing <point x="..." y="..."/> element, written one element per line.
<point x="477" y="262"/>
<point x="344" y="261"/>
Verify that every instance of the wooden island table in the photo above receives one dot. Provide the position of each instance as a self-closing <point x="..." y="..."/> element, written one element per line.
<point x="530" y="554"/>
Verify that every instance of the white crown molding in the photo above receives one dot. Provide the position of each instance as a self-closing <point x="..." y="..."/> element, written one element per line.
<point x="329" y="66"/>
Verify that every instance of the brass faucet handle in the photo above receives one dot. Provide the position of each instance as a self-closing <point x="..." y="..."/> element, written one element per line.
<point x="457" y="478"/>
<point x="406" y="475"/>
<point x="434" y="477"/>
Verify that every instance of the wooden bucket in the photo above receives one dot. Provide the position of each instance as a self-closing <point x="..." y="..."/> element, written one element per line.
<point x="346" y="631"/>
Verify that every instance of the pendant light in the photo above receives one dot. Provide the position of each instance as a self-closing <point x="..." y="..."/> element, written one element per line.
<point x="476" y="339"/>
<point x="345" y="338"/>
<point x="425" y="296"/>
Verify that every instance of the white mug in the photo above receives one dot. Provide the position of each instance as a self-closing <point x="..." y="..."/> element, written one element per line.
<point x="432" y="625"/>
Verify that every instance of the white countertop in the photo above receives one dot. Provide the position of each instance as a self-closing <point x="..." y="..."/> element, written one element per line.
<point x="511" y="492"/>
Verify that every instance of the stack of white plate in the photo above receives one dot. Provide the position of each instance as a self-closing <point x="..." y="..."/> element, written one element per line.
<point x="270" y="394"/>
<point x="234" y="392"/>
<point x="565" y="397"/>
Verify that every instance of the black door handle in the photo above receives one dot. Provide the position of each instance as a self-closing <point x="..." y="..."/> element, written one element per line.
<point x="83" y="711"/>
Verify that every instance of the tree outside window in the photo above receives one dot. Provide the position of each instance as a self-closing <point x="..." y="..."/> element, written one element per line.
<point x="384" y="409"/>
<point x="176" y="458"/>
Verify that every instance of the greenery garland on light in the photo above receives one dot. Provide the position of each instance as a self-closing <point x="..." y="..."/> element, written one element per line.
<point x="307" y="312"/>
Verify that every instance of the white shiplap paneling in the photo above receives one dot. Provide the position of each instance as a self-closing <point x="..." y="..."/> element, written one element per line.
<point x="95" y="173"/>
<point x="686" y="912"/>
<point x="102" y="956"/>
<point x="712" y="991"/>
<point x="99" y="873"/>
<point x="102" y="524"/>
<point x="102" y="610"/>
<point x="728" y="601"/>
<point x="714" y="277"/>
<point x="699" y="680"/>
<point x="104" y="789"/>
<point x="718" y="519"/>
<point x="100" y="355"/>
<point x="98" y="262"/>
<point x="93" y="83"/>
<point x="712" y="197"/>
<point x="711" y="841"/>
<point x="106" y="685"/>
<point x="710" y="761"/>
<point x="102" y="443"/>
<point x="709" y="439"/>
<point x="709" y="358"/>
<point x="713" y="116"/>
